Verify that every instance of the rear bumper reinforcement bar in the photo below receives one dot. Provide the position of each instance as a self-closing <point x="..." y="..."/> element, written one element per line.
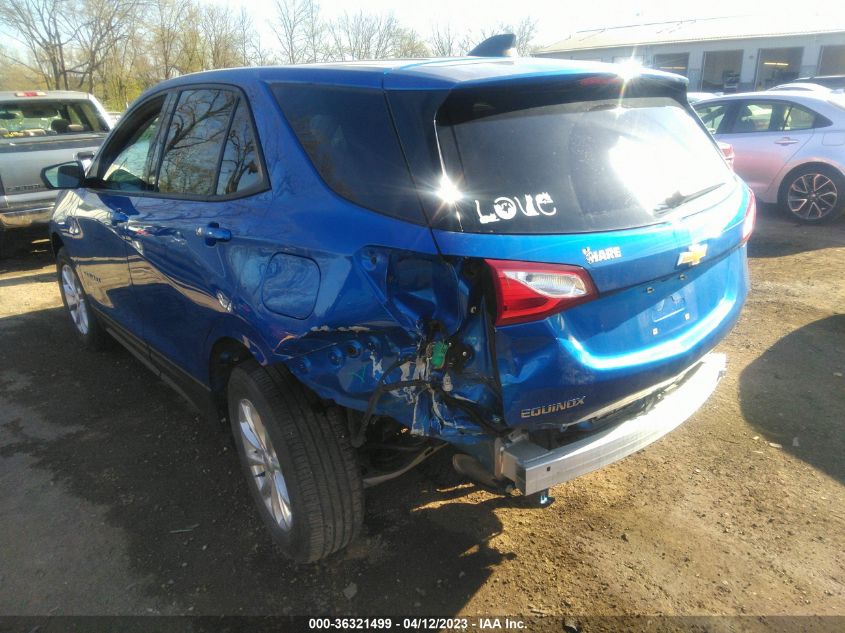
<point x="533" y="468"/>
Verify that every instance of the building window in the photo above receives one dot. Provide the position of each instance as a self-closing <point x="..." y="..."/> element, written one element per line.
<point x="777" y="66"/>
<point x="721" y="71"/>
<point x="677" y="63"/>
<point x="832" y="60"/>
<point x="628" y="59"/>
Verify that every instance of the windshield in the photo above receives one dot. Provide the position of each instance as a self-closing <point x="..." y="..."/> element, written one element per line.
<point x="515" y="167"/>
<point x="22" y="119"/>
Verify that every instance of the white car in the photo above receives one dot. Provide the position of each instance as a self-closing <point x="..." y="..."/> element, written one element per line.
<point x="789" y="147"/>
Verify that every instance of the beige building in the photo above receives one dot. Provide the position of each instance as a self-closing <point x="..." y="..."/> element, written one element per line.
<point x="719" y="54"/>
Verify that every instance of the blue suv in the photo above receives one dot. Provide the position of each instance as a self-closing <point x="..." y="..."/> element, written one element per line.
<point x="358" y="264"/>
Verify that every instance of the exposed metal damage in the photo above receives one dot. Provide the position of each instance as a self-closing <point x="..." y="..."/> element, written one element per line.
<point x="418" y="355"/>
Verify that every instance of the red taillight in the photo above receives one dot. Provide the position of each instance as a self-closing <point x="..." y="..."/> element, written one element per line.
<point x="750" y="215"/>
<point x="527" y="291"/>
<point x="31" y="93"/>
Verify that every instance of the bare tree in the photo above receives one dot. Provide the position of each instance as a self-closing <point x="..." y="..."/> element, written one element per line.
<point x="166" y="37"/>
<point x="301" y="31"/>
<point x="14" y="75"/>
<point x="219" y="34"/>
<point x="410" y="45"/>
<point x="364" y="36"/>
<point x="119" y="79"/>
<point x="104" y="25"/>
<point x="445" y="41"/>
<point x="192" y="49"/>
<point x="524" y="30"/>
<point x="43" y="27"/>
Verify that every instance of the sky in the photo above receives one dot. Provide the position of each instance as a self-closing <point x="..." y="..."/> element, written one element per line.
<point x="555" y="18"/>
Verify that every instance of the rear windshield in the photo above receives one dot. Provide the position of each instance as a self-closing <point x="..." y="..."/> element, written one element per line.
<point x="533" y="165"/>
<point x="21" y="119"/>
<point x="348" y="135"/>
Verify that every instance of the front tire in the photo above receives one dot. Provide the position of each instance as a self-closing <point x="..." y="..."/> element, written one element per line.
<point x="300" y="467"/>
<point x="82" y="318"/>
<point x="813" y="194"/>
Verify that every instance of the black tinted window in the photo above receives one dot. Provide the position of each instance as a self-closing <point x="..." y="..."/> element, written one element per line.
<point x="195" y="141"/>
<point x="515" y="167"/>
<point x="241" y="167"/>
<point x="349" y="137"/>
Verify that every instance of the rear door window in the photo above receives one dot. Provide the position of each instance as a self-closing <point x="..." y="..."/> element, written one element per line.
<point x="574" y="166"/>
<point x="758" y="117"/>
<point x="240" y="168"/>
<point x="195" y="142"/>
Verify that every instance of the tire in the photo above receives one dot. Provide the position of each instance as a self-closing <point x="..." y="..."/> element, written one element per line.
<point x="315" y="503"/>
<point x="82" y="318"/>
<point x="813" y="194"/>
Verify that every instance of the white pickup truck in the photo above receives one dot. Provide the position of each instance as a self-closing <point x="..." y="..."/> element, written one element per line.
<point x="39" y="129"/>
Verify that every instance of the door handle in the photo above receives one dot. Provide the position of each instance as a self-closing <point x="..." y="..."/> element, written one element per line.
<point x="214" y="233"/>
<point x="787" y="141"/>
<point x="118" y="217"/>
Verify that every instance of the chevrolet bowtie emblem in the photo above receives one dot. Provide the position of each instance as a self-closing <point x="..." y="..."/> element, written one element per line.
<point x="693" y="255"/>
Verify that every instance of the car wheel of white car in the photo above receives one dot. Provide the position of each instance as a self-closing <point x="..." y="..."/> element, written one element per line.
<point x="82" y="318"/>
<point x="300" y="467"/>
<point x="814" y="194"/>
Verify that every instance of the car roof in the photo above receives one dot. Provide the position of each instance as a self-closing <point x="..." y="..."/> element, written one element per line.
<point x="800" y="85"/>
<point x="792" y="95"/>
<point x="412" y="74"/>
<point x="11" y="95"/>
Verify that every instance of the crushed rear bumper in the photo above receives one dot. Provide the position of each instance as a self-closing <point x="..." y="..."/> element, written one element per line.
<point x="533" y="468"/>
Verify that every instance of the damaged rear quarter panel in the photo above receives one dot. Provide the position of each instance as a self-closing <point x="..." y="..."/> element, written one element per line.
<point x="382" y="289"/>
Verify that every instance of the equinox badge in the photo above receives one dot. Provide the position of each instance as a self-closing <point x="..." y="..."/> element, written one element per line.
<point x="693" y="255"/>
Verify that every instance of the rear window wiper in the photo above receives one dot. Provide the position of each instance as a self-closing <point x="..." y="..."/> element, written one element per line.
<point x="678" y="198"/>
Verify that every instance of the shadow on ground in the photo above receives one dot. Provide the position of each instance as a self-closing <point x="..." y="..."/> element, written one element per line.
<point x="777" y="235"/>
<point x="25" y="249"/>
<point x="786" y="394"/>
<point x="170" y="482"/>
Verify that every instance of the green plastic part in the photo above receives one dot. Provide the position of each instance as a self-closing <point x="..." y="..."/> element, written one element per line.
<point x="438" y="354"/>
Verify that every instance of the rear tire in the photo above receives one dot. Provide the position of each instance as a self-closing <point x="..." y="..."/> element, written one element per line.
<point x="813" y="194"/>
<point x="300" y="467"/>
<point x="82" y="317"/>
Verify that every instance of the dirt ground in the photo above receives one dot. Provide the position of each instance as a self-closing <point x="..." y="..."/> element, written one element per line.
<point x="116" y="499"/>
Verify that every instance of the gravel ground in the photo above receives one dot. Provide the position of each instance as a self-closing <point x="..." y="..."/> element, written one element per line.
<point x="116" y="499"/>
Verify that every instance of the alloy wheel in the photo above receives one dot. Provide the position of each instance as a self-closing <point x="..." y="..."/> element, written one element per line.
<point x="812" y="196"/>
<point x="264" y="465"/>
<point x="75" y="299"/>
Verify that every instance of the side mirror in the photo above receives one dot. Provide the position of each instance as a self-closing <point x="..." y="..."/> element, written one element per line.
<point x="63" y="176"/>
